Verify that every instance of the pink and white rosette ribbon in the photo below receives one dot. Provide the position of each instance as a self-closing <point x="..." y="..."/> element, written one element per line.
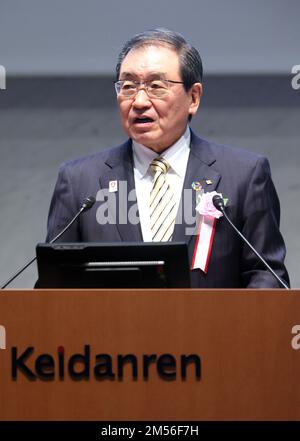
<point x="206" y="231"/>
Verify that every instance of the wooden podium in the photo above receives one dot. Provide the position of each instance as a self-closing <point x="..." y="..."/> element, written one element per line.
<point x="249" y="367"/>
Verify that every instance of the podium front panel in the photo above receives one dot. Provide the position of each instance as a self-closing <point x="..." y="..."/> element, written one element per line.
<point x="149" y="355"/>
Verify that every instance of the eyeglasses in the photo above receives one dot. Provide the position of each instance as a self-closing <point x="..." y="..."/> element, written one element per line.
<point x="154" y="88"/>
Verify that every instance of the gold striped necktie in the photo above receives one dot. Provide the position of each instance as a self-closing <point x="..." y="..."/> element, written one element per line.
<point x="162" y="203"/>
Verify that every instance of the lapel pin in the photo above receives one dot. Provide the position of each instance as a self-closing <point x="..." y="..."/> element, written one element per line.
<point x="208" y="181"/>
<point x="196" y="185"/>
<point x="113" y="186"/>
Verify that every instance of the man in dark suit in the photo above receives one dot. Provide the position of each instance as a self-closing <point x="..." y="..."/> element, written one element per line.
<point x="149" y="187"/>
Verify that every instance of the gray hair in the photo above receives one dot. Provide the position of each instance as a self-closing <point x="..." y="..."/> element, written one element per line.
<point x="189" y="58"/>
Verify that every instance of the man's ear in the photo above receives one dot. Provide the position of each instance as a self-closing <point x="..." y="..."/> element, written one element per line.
<point x="195" y="94"/>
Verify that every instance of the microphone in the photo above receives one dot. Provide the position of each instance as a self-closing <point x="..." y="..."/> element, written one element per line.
<point x="218" y="202"/>
<point x="85" y="206"/>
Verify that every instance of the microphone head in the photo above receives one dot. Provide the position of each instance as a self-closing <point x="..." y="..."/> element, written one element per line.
<point x="88" y="203"/>
<point x="218" y="202"/>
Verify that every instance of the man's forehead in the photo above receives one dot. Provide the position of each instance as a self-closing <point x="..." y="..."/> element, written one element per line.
<point x="150" y="60"/>
<point x="149" y="74"/>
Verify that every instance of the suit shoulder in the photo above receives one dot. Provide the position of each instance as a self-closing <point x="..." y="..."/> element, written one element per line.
<point x="228" y="155"/>
<point x="245" y="161"/>
<point x="237" y="153"/>
<point x="96" y="160"/>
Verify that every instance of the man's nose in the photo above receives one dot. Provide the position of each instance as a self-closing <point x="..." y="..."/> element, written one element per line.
<point x="141" y="99"/>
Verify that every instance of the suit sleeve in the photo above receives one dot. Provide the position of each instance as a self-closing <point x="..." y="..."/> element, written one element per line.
<point x="261" y="218"/>
<point x="63" y="208"/>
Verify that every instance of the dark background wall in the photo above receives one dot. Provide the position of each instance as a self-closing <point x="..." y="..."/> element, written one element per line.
<point x="84" y="36"/>
<point x="59" y="102"/>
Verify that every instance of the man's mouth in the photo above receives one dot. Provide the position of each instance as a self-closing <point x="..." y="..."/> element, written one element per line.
<point x="140" y="120"/>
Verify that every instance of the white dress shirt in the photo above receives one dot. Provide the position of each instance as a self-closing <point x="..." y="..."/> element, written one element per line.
<point x="177" y="156"/>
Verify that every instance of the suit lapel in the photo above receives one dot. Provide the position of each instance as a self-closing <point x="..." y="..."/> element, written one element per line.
<point x="199" y="170"/>
<point x="122" y="204"/>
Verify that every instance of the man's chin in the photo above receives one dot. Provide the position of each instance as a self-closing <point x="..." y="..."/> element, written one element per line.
<point x="147" y="139"/>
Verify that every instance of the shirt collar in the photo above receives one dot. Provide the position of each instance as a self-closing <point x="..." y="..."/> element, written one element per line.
<point x="143" y="155"/>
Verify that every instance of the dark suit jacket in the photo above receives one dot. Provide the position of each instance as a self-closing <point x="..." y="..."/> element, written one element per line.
<point x="242" y="177"/>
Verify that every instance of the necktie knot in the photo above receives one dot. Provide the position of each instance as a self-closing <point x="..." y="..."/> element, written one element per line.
<point x="160" y="165"/>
